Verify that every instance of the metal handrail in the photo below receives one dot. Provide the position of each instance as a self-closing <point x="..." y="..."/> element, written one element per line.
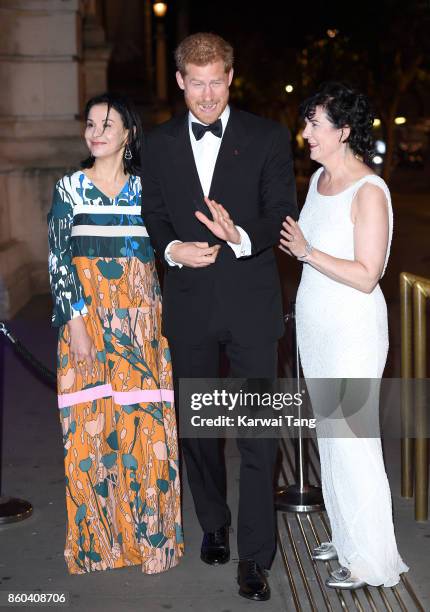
<point x="414" y="291"/>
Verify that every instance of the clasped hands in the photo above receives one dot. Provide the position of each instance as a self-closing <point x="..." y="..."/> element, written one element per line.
<point x="200" y="254"/>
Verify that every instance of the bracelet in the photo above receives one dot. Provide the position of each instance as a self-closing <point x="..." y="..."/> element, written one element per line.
<point x="308" y="248"/>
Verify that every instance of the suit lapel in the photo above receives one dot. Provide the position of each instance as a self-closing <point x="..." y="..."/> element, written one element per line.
<point x="234" y="141"/>
<point x="185" y="171"/>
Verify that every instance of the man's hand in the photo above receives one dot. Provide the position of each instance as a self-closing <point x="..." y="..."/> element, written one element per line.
<point x="222" y="225"/>
<point x="194" y="254"/>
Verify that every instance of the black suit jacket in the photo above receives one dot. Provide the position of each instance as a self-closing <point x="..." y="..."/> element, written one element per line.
<point x="254" y="180"/>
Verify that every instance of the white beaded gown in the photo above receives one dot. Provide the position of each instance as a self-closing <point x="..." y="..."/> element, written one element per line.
<point x="343" y="333"/>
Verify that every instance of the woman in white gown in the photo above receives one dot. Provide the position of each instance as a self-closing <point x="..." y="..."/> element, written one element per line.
<point x="343" y="236"/>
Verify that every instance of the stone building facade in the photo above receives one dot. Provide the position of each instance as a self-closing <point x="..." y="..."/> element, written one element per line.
<point x="45" y="74"/>
<point x="54" y="55"/>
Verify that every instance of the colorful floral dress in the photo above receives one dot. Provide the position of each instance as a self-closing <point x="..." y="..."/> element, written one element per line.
<point x="118" y="420"/>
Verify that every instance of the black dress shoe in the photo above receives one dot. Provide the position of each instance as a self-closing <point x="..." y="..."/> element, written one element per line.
<point x="252" y="581"/>
<point x="215" y="547"/>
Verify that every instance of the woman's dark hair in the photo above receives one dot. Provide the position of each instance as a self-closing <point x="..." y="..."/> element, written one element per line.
<point x="345" y="106"/>
<point x="131" y="122"/>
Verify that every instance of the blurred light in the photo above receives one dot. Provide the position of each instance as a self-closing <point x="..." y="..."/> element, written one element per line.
<point x="332" y="33"/>
<point x="300" y="141"/>
<point x="289" y="88"/>
<point x="160" y="9"/>
<point x="380" y="146"/>
<point x="400" y="120"/>
<point x="377" y="160"/>
<point x="376" y="122"/>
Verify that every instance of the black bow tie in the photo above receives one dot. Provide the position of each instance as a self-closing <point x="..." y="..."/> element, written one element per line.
<point x="199" y="130"/>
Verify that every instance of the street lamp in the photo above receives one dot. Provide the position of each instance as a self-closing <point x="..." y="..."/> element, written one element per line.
<point x="160" y="9"/>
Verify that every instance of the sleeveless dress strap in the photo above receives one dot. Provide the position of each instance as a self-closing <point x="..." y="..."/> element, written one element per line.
<point x="314" y="178"/>
<point x="375" y="180"/>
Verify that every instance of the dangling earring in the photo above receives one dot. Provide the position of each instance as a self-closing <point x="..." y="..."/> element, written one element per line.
<point x="127" y="153"/>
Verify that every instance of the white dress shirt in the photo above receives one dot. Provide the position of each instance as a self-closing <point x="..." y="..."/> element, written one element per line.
<point x="205" y="153"/>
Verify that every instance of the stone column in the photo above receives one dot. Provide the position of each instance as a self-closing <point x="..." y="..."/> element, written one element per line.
<point x="40" y="133"/>
<point x="96" y="52"/>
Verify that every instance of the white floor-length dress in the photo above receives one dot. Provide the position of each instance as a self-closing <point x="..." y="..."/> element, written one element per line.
<point x="343" y="333"/>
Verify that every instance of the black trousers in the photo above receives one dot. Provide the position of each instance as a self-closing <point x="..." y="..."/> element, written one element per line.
<point x="204" y="457"/>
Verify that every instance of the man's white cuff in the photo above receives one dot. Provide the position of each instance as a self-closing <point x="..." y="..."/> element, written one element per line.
<point x="244" y="248"/>
<point x="167" y="254"/>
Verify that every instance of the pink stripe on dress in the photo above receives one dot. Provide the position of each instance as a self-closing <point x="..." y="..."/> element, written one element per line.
<point x="140" y="396"/>
<point x="86" y="395"/>
<point x="123" y="398"/>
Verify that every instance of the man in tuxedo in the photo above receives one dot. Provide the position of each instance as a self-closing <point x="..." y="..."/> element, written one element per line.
<point x="217" y="184"/>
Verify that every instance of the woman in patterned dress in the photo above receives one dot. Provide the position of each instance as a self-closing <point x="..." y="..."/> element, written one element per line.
<point x="115" y="392"/>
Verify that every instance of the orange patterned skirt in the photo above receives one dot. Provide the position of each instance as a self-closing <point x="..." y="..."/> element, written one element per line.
<point x="119" y="426"/>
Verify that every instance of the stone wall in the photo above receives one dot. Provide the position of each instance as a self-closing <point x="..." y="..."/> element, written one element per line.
<point x="43" y="75"/>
